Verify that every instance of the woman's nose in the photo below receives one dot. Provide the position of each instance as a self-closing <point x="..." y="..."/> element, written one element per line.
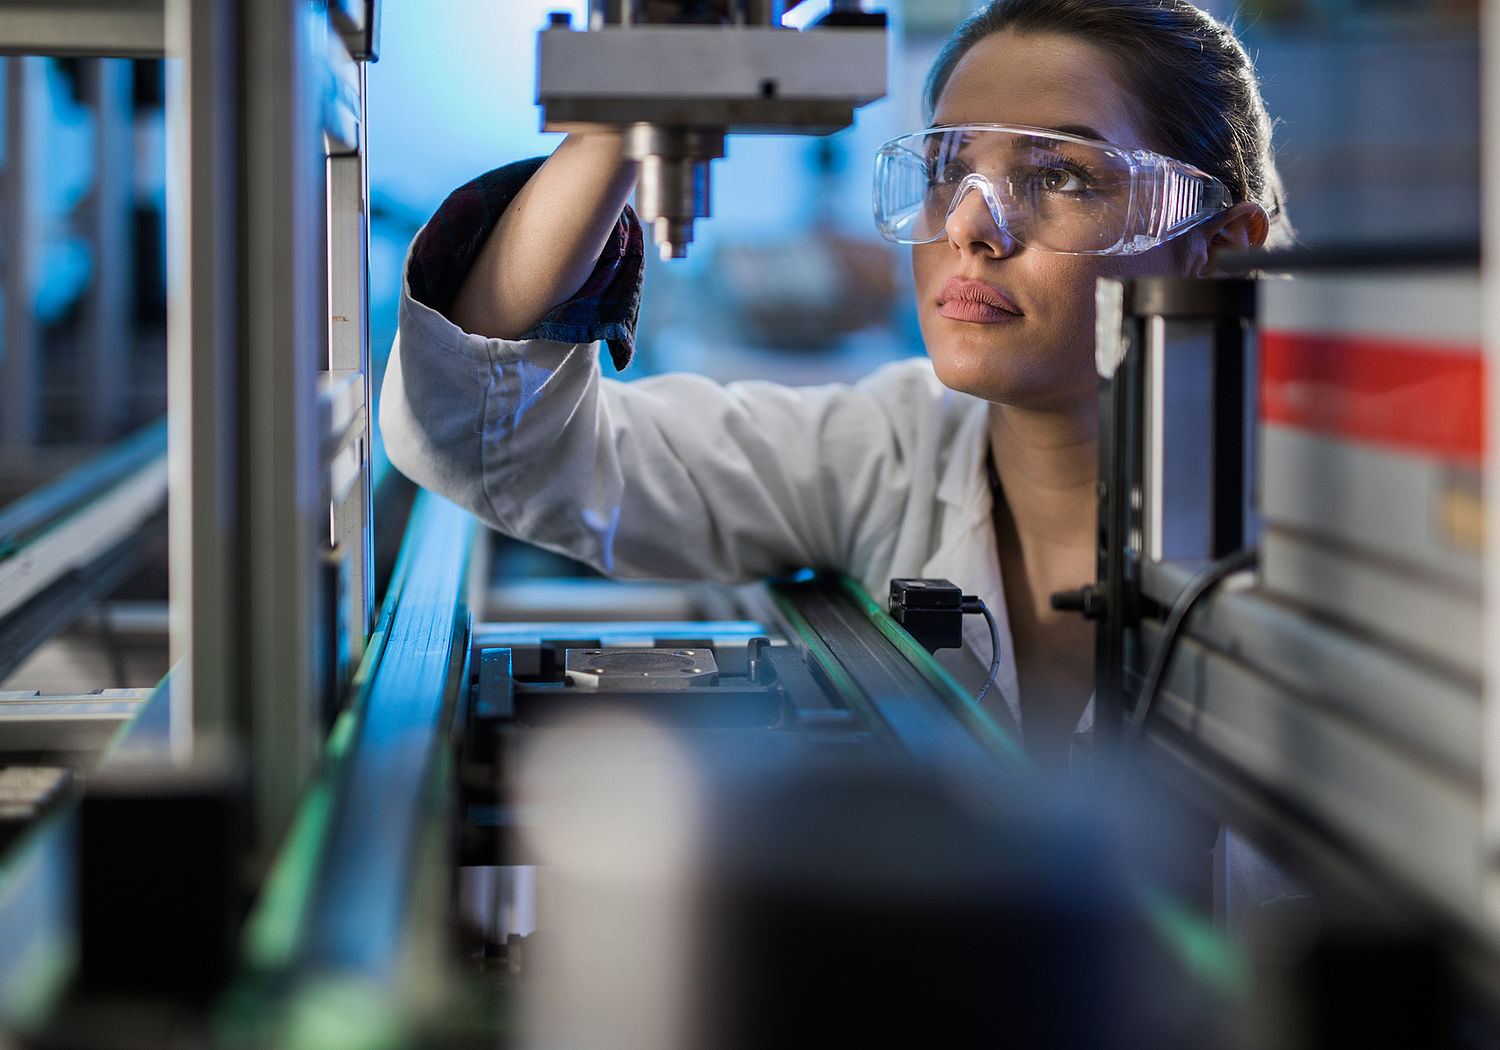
<point x="976" y="219"/>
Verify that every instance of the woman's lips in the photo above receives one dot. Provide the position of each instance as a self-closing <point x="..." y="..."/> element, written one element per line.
<point x="968" y="300"/>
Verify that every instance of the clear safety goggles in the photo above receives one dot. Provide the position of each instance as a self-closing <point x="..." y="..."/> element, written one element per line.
<point x="1046" y="190"/>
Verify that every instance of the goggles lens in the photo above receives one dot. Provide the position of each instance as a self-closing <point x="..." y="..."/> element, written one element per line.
<point x="1047" y="190"/>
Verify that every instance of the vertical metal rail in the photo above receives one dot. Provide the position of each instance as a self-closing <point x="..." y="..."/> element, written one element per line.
<point x="1120" y="502"/>
<point x="349" y="361"/>
<point x="1231" y="419"/>
<point x="1139" y="326"/>
<point x="108" y="329"/>
<point x="203" y="103"/>
<point x="1489" y="138"/>
<point x="249" y="332"/>
<point x="283" y="328"/>
<point x="18" y="341"/>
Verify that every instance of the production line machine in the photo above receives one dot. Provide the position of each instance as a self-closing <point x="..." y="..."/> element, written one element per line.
<point x="371" y="807"/>
<point x="1291" y="605"/>
<point x="643" y="832"/>
<point x="665" y="832"/>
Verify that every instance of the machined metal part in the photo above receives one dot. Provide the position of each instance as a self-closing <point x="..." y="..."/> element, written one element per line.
<point x="640" y="668"/>
<point x="358" y="22"/>
<point x="674" y="181"/>
<point x="732" y="12"/>
<point x="678" y="80"/>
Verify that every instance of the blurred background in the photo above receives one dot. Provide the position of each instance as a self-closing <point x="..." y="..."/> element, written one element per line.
<point x="1376" y="104"/>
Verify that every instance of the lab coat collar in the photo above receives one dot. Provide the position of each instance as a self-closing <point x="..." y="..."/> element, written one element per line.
<point x="963" y="482"/>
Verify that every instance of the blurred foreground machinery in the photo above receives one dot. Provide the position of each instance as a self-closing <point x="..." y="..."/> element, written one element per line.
<point x="1293" y="595"/>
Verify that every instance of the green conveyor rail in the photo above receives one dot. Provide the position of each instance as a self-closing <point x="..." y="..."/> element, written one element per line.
<point x="881" y="661"/>
<point x="335" y="908"/>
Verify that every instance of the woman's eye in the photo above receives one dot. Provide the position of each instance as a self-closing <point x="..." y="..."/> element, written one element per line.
<point x="947" y="172"/>
<point x="1061" y="180"/>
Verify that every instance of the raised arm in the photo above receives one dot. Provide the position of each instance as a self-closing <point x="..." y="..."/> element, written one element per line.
<point x="547" y="242"/>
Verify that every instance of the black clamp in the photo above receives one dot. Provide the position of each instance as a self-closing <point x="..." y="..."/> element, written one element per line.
<point x="932" y="611"/>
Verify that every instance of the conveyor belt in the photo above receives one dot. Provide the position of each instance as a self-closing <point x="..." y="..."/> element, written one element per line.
<point x="889" y="681"/>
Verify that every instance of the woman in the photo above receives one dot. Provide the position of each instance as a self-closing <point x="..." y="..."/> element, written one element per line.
<point x="978" y="464"/>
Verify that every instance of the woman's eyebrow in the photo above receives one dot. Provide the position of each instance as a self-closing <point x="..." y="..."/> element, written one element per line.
<point x="1083" y="131"/>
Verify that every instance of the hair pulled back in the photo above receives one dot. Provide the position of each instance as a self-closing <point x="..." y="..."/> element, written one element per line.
<point x="1199" y="98"/>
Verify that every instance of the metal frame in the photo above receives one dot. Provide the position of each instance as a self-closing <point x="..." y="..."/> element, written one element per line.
<point x="1489" y="108"/>
<point x="103" y="369"/>
<point x="100" y="28"/>
<point x="202" y="372"/>
<point x="272" y="601"/>
<point x="1307" y="736"/>
<point x="268" y="461"/>
<point x="18" y="364"/>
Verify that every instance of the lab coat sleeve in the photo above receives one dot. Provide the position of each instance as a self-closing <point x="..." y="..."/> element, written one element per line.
<point x="669" y="476"/>
<point x="605" y="307"/>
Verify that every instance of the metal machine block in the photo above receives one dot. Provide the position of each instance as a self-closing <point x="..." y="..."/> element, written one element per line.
<point x="678" y="89"/>
<point x="751" y="78"/>
<point x="1372" y="439"/>
<point x="640" y="668"/>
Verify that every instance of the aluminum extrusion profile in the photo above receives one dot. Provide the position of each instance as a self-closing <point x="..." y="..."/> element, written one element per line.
<point x="97" y="28"/>
<point x="900" y="692"/>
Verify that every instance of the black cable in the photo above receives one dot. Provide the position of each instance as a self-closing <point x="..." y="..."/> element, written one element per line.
<point x="972" y="604"/>
<point x="1202" y="582"/>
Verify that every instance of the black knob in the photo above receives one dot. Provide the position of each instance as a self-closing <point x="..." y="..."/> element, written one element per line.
<point x="1088" y="600"/>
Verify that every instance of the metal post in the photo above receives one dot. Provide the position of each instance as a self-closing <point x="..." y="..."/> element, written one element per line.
<point x="1227" y="439"/>
<point x="108" y="329"/>
<point x="18" y="345"/>
<point x="1490" y="330"/>
<point x="283" y="328"/>
<point x="1119" y="541"/>
<point x="349" y="356"/>
<point x="203" y="360"/>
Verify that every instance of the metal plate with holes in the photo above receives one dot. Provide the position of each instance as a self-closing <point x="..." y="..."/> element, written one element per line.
<point x="640" y="668"/>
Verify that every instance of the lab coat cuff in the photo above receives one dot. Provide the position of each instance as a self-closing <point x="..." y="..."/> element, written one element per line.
<point x="606" y="307"/>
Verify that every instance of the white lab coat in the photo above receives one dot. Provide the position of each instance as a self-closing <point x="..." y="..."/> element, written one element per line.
<point x="678" y="477"/>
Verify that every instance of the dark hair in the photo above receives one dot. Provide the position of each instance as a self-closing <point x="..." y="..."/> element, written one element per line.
<point x="1199" y="97"/>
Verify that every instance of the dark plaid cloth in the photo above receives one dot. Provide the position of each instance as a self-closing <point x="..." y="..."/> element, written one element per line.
<point x="607" y="305"/>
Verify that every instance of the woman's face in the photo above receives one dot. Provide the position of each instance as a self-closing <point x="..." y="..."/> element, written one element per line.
<point x="1041" y="354"/>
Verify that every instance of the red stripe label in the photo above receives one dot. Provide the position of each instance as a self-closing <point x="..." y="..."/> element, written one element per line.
<point x="1423" y="398"/>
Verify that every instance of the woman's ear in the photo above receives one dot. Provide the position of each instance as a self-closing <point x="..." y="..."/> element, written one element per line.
<point x="1242" y="226"/>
